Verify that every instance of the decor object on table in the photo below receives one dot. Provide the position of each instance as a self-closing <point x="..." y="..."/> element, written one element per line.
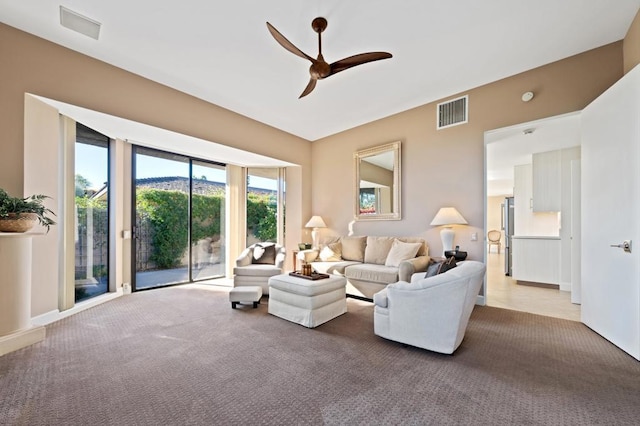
<point x="21" y="214"/>
<point x="457" y="254"/>
<point x="315" y="222"/>
<point x="430" y="313"/>
<point x="319" y="67"/>
<point x="257" y="263"/>
<point x="494" y="237"/>
<point x="446" y="217"/>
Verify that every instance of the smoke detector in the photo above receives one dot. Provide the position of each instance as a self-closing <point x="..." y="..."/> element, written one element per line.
<point x="527" y="96"/>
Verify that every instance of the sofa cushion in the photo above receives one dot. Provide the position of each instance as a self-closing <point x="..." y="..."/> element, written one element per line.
<point x="353" y="248"/>
<point x="264" y="254"/>
<point x="400" y="252"/>
<point x="423" y="250"/>
<point x="333" y="268"/>
<point x="374" y="273"/>
<point x="377" y="249"/>
<point x="331" y="253"/>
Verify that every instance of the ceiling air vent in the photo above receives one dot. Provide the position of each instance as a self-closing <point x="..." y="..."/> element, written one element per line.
<point x="453" y="112"/>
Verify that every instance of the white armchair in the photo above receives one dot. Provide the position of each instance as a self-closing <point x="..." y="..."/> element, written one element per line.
<point x="257" y="263"/>
<point x="430" y="313"/>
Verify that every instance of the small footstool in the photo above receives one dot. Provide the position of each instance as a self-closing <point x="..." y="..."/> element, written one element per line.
<point x="245" y="294"/>
<point x="307" y="302"/>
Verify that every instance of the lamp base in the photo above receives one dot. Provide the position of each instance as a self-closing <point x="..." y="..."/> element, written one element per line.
<point x="447" y="234"/>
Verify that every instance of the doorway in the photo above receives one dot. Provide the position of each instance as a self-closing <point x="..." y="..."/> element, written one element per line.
<point x="509" y="154"/>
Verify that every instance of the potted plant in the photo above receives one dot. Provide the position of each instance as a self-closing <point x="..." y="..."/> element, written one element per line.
<point x="21" y="214"/>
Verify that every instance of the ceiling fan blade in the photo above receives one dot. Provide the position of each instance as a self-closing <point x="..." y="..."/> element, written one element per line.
<point x="309" y="88"/>
<point x="287" y="44"/>
<point x="355" y="60"/>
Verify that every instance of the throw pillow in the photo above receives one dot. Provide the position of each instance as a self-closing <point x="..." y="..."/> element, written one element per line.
<point x="264" y="254"/>
<point x="450" y="263"/>
<point x="377" y="249"/>
<point x="353" y="248"/>
<point x="331" y="253"/>
<point x="400" y="252"/>
<point x="433" y="267"/>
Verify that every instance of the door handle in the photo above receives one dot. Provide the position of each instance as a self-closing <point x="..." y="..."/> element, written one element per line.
<point x="626" y="246"/>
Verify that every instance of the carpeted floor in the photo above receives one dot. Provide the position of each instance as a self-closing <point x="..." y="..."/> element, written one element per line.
<point x="182" y="356"/>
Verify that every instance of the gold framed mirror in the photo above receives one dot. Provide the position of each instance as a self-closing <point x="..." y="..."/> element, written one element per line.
<point x="377" y="183"/>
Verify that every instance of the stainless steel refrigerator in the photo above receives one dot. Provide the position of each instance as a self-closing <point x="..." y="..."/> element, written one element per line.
<point x="507" y="227"/>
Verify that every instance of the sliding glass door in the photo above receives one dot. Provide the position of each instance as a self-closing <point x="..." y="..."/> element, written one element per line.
<point x="91" y="213"/>
<point x="208" y="186"/>
<point x="179" y="216"/>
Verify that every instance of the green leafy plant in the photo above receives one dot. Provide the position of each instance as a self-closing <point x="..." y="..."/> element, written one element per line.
<point x="10" y="206"/>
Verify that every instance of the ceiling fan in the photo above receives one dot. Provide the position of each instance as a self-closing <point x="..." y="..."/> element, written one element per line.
<point x="319" y="67"/>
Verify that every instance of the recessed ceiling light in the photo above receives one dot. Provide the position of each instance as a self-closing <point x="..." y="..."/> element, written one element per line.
<point x="79" y="23"/>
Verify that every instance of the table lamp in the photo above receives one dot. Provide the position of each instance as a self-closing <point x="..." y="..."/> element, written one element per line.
<point x="446" y="217"/>
<point x="315" y="222"/>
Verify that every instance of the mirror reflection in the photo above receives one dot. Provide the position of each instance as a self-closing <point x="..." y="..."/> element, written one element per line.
<point x="378" y="183"/>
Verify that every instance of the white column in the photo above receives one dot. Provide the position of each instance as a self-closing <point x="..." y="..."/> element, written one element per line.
<point x="15" y="286"/>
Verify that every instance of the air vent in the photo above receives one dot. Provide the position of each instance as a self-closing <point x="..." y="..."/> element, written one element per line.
<point x="453" y="112"/>
<point x="79" y="23"/>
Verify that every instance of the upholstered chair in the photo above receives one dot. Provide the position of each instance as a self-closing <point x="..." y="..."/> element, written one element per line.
<point x="430" y="313"/>
<point x="257" y="263"/>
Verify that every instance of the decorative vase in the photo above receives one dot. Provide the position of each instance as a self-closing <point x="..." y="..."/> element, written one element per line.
<point x="18" y="222"/>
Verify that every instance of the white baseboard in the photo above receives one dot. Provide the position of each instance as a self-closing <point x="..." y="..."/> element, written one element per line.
<point x="565" y="287"/>
<point x="57" y="315"/>
<point x="21" y="339"/>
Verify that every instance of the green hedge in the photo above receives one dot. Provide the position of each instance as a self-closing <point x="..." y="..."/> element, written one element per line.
<point x="167" y="212"/>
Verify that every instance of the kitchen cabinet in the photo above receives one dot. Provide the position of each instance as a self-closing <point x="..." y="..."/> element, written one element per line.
<point x="536" y="259"/>
<point x="546" y="184"/>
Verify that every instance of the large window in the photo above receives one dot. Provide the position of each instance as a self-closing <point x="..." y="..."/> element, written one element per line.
<point x="265" y="206"/>
<point x="91" y="213"/>
<point x="179" y="205"/>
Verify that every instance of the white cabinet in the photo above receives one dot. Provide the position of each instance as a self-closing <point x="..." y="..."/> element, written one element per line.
<point x="523" y="219"/>
<point x="546" y="185"/>
<point x="536" y="259"/>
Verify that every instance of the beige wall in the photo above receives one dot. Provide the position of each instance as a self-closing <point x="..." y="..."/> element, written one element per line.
<point x="33" y="65"/>
<point x="446" y="167"/>
<point x="631" y="45"/>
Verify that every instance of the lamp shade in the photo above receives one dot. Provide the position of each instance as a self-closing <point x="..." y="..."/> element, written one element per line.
<point x="448" y="216"/>
<point x="316" y="222"/>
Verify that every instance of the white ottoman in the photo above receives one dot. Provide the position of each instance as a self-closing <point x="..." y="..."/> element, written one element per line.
<point x="245" y="294"/>
<point x="307" y="302"/>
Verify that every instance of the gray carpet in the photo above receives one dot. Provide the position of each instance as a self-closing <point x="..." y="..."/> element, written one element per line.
<point x="182" y="356"/>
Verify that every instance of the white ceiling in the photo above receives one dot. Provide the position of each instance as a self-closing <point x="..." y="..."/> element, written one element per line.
<point x="223" y="53"/>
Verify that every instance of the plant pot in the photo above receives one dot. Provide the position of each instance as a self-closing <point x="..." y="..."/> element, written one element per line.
<point x="18" y="222"/>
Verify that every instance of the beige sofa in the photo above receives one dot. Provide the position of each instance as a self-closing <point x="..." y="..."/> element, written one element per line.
<point x="369" y="263"/>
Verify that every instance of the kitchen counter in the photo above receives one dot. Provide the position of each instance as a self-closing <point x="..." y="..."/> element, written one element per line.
<point x="534" y="237"/>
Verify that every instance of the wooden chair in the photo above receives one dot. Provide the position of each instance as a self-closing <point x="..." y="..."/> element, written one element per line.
<point x="494" y="237"/>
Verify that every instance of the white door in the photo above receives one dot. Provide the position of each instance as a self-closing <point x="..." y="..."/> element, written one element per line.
<point x="611" y="214"/>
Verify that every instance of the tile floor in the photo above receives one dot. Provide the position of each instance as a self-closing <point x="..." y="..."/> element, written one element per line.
<point x="503" y="292"/>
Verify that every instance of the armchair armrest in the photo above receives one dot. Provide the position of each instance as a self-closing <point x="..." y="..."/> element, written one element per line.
<point x="411" y="266"/>
<point x="245" y="257"/>
<point x="280" y="257"/>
